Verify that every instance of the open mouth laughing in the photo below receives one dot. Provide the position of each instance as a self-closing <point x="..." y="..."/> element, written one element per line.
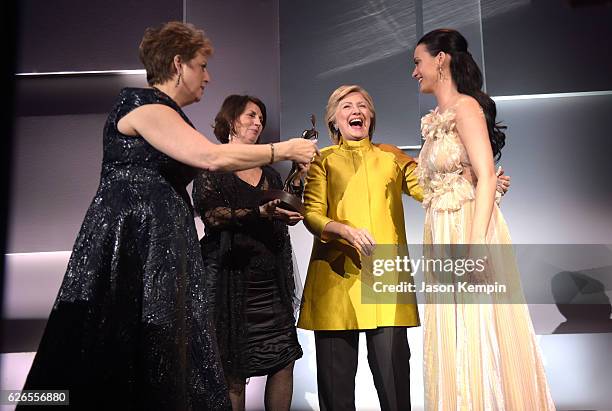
<point x="356" y="123"/>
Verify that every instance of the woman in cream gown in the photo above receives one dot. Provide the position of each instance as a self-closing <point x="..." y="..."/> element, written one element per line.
<point x="477" y="356"/>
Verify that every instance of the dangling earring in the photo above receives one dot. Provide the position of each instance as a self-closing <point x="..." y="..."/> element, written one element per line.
<point x="178" y="80"/>
<point x="440" y="73"/>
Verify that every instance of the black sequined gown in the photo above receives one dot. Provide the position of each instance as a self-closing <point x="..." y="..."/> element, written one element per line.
<point x="131" y="327"/>
<point x="249" y="262"/>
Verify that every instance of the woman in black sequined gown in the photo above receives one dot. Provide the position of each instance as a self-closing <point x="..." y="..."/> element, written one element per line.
<point x="131" y="327"/>
<point x="248" y="258"/>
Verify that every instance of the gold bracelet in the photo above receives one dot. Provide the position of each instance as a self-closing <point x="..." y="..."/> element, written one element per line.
<point x="271" y="153"/>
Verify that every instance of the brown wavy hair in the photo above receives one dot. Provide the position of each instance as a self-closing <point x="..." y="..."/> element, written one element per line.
<point x="159" y="45"/>
<point x="233" y="106"/>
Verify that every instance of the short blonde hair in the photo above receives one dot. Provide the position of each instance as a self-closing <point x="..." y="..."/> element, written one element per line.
<point x="332" y="105"/>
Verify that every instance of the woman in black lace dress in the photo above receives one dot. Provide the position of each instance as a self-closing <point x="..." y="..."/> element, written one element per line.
<point x="248" y="260"/>
<point x="131" y="327"/>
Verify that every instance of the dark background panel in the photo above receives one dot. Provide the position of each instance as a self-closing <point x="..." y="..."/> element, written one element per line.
<point x="244" y="34"/>
<point x="547" y="46"/>
<point x="557" y="152"/>
<point x="326" y="44"/>
<point x="72" y="35"/>
<point x="52" y="95"/>
<point x="56" y="170"/>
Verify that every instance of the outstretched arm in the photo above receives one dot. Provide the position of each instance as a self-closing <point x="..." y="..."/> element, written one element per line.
<point x="408" y="166"/>
<point x="411" y="179"/>
<point x="165" y="130"/>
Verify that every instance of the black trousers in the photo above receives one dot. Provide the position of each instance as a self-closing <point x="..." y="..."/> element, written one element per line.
<point x="388" y="356"/>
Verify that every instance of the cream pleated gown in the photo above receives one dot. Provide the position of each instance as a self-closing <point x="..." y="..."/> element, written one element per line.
<point x="477" y="356"/>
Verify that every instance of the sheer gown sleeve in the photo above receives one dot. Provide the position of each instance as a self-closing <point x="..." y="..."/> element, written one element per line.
<point x="215" y="209"/>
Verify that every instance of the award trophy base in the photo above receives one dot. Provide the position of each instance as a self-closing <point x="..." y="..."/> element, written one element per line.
<point x="288" y="201"/>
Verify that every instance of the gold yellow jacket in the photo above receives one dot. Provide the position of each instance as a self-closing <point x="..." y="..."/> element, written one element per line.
<point x="360" y="184"/>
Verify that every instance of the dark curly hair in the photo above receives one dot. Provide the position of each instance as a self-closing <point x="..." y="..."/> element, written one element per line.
<point x="468" y="78"/>
<point x="233" y="106"/>
<point x="159" y="45"/>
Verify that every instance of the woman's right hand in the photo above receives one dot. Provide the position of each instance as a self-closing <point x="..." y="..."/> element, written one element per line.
<point x="300" y="150"/>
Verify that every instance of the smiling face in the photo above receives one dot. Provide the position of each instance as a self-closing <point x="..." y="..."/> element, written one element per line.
<point x="353" y="117"/>
<point x="195" y="77"/>
<point x="249" y="125"/>
<point x="425" y="69"/>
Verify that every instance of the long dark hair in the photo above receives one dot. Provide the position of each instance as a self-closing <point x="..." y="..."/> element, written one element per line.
<point x="468" y="78"/>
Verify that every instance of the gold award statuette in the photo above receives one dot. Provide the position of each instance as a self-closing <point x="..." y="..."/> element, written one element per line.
<point x="291" y="196"/>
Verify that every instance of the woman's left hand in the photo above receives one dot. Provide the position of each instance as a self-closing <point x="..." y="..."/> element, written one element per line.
<point x="272" y="210"/>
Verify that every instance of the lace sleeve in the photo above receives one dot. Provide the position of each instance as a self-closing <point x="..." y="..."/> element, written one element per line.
<point x="213" y="205"/>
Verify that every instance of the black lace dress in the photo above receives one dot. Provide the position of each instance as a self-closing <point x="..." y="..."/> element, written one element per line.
<point x="249" y="263"/>
<point x="131" y="327"/>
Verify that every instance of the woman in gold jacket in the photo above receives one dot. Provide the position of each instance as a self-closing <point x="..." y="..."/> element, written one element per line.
<point x="353" y="201"/>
